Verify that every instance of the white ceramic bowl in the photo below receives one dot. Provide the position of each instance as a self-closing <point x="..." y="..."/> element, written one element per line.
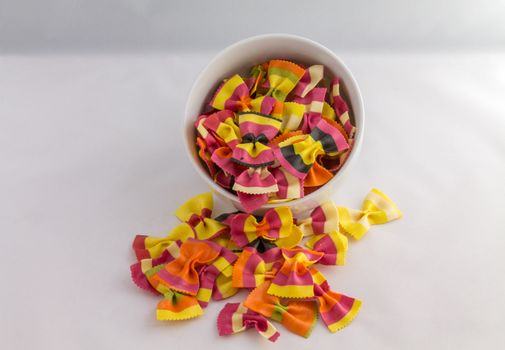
<point x="239" y="58"/>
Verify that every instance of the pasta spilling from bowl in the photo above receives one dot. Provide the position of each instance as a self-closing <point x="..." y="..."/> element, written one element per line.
<point x="275" y="258"/>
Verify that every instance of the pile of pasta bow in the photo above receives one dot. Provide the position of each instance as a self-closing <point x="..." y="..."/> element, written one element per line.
<point x="274" y="257"/>
<point x="277" y="134"/>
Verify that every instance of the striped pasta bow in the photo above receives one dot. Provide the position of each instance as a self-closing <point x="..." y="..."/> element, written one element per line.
<point x="209" y="275"/>
<point x="181" y="274"/>
<point x="333" y="245"/>
<point x="253" y="268"/>
<point x="175" y="305"/>
<point x="294" y="279"/>
<point x="298" y="316"/>
<point x="282" y="78"/>
<point x="336" y="310"/>
<point x="222" y="125"/>
<point x="289" y="186"/>
<point x="321" y="219"/>
<point x="185" y="275"/>
<point x="298" y="153"/>
<point x="235" y="318"/>
<point x="377" y="209"/>
<point x="256" y="130"/>
<point x="275" y="226"/>
<point x="197" y="213"/>
<point x="139" y="269"/>
<point x="233" y="95"/>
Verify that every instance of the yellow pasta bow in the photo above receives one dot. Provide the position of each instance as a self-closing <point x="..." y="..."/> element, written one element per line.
<point x="377" y="209"/>
<point x="197" y="214"/>
<point x="283" y="77"/>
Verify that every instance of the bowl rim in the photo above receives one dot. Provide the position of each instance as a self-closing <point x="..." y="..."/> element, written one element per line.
<point x="357" y="108"/>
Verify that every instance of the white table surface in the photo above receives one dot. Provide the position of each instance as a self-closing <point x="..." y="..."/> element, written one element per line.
<point x="91" y="153"/>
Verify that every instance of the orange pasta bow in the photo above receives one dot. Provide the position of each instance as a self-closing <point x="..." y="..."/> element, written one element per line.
<point x="276" y="226"/>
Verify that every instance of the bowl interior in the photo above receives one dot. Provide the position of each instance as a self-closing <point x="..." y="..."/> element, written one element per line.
<point x="239" y="58"/>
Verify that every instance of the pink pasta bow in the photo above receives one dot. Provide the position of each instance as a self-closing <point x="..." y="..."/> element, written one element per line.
<point x="235" y="318"/>
<point x="335" y="309"/>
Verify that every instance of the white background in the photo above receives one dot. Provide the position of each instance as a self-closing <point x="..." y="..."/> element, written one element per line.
<point x="91" y="102"/>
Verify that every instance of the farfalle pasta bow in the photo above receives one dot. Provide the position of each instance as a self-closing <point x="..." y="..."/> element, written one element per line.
<point x="336" y="310"/>
<point x="253" y="268"/>
<point x="208" y="274"/>
<point x="377" y="209"/>
<point x="181" y="274"/>
<point x="322" y="219"/>
<point x="187" y="281"/>
<point x="235" y="318"/>
<point x="298" y="316"/>
<point x="233" y="95"/>
<point x="294" y="279"/>
<point x="298" y="153"/>
<point x="223" y="125"/>
<point x="282" y="78"/>
<point x="139" y="269"/>
<point x="197" y="214"/>
<point x="333" y="245"/>
<point x="257" y="130"/>
<point x="175" y="305"/>
<point x="276" y="226"/>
